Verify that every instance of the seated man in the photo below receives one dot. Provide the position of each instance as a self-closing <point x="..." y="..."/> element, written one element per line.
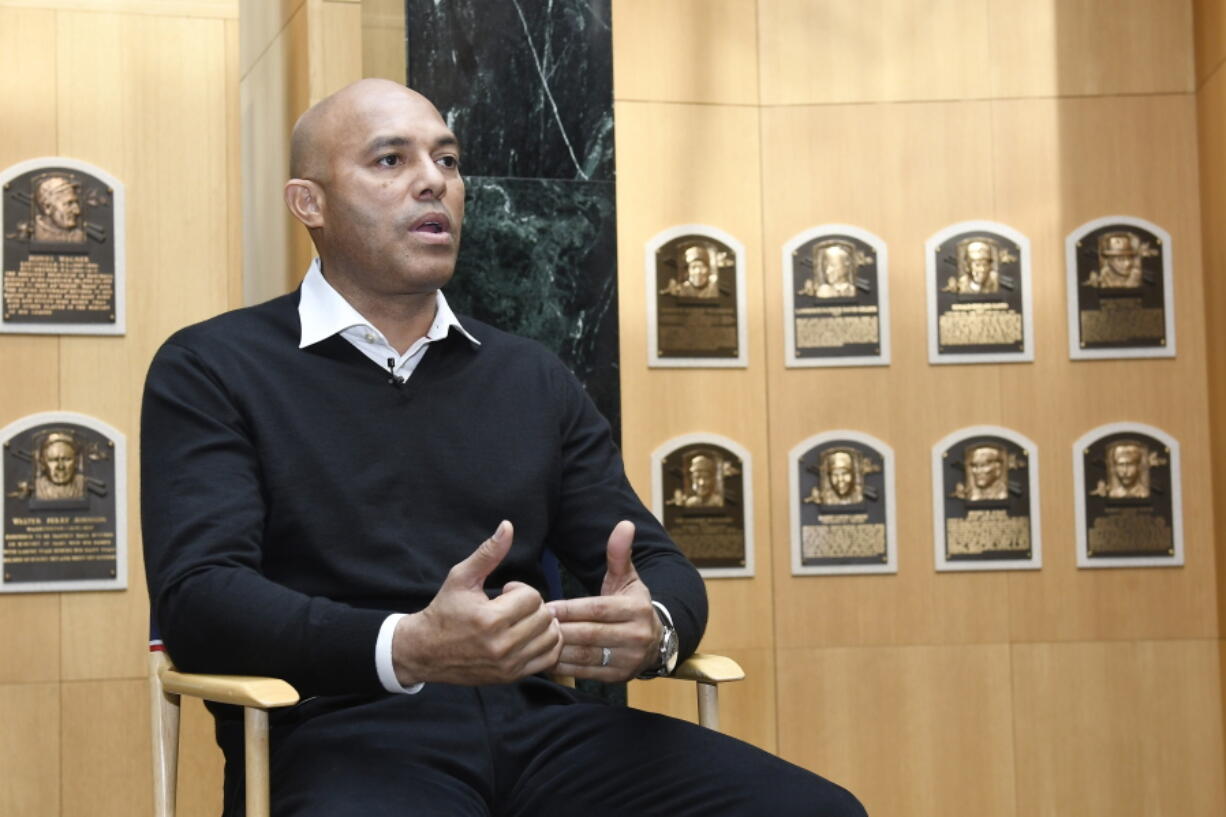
<point x="322" y="474"/>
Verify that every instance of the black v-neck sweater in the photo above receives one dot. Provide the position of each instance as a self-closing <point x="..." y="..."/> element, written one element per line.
<point x="292" y="498"/>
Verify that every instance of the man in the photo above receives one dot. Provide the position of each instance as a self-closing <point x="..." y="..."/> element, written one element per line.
<point x="1129" y="471"/>
<point x="319" y="470"/>
<point x="832" y="270"/>
<point x="699" y="281"/>
<point x="841" y="476"/>
<point x="57" y="209"/>
<point x="58" y="474"/>
<point x="977" y="272"/>
<point x="987" y="466"/>
<point x="704" y="484"/>
<point x="1119" y="262"/>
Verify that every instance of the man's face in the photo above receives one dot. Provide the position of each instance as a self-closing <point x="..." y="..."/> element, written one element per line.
<point x="980" y="258"/>
<point x="985" y="467"/>
<point x="838" y="266"/>
<point x="61" y="461"/>
<point x="702" y="478"/>
<point x="1122" y="264"/>
<point x="1127" y="461"/>
<point x="841" y="477"/>
<point x="63" y="207"/>
<point x="698" y="273"/>
<point x="393" y="198"/>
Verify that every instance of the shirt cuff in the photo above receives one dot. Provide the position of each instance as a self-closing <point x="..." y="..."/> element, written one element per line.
<point x="383" y="659"/>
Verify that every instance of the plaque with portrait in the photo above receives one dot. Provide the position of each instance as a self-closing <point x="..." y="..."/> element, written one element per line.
<point x="702" y="492"/>
<point x="978" y="280"/>
<point x="836" y="298"/>
<point x="695" y="298"/>
<point x="1120" y="291"/>
<point x="65" y="502"/>
<point x="1129" y="503"/>
<point x="985" y="501"/>
<point x="63" y="249"/>
<point x="842" y="505"/>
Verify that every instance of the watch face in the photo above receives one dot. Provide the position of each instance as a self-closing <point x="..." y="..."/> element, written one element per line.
<point x="669" y="650"/>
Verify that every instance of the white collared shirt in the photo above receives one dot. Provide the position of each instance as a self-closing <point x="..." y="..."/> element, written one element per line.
<point x="324" y="312"/>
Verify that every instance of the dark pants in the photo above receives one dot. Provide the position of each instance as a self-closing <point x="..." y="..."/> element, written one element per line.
<point x="531" y="749"/>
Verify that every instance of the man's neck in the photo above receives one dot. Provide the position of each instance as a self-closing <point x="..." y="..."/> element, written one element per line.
<point x="403" y="318"/>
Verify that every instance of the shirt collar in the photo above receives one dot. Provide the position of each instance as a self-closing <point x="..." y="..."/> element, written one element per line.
<point x="324" y="312"/>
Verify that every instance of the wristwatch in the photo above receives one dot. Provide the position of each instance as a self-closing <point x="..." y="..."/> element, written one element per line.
<point x="667" y="661"/>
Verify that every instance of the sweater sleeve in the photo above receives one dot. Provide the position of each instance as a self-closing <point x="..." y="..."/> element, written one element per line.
<point x="594" y="496"/>
<point x="203" y="511"/>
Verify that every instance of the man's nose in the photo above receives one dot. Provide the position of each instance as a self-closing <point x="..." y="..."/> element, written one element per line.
<point x="430" y="182"/>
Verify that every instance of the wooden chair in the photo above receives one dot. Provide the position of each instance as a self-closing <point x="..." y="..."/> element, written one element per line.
<point x="258" y="695"/>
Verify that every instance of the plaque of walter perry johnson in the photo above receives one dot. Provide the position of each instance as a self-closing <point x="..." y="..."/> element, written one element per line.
<point x="695" y="298"/>
<point x="704" y="496"/>
<point x="63" y="255"/>
<point x="986" y="501"/>
<point x="978" y="279"/>
<point x="64" y="505"/>
<point x="1128" y="500"/>
<point x="1120" y="291"/>
<point x="835" y="298"/>
<point x="843" y="505"/>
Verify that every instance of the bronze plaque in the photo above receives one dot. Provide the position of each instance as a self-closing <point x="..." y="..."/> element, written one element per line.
<point x="837" y="311"/>
<point x="62" y="506"/>
<point x="979" y="295"/>
<point x="1128" y="496"/>
<point x="704" y="500"/>
<point x="843" y="513"/>
<point x="1120" y="290"/>
<point x="61" y="258"/>
<point x="986" y="501"/>
<point x="696" y="298"/>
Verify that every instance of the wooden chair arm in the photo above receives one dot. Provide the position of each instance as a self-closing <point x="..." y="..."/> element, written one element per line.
<point x="709" y="669"/>
<point x="242" y="690"/>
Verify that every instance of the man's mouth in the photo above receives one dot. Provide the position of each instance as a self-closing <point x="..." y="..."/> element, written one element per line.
<point x="432" y="223"/>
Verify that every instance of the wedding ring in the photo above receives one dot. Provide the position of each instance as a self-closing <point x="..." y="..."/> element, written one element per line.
<point x="606" y="655"/>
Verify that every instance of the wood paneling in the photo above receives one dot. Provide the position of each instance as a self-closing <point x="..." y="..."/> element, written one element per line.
<point x="262" y="23"/>
<point x="384" y="47"/>
<point x="200" y="763"/>
<point x="29" y="749"/>
<point x="227" y="9"/>
<point x="916" y="731"/>
<point x="823" y="51"/>
<point x="1126" y="728"/>
<point x="1098" y="47"/>
<point x="107" y="765"/>
<point x="685" y="51"/>
<point x="1209" y="25"/>
<point x="335" y="55"/>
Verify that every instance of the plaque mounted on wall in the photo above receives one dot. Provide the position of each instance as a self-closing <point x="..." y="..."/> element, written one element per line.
<point x="842" y="505"/>
<point x="1120" y="291"/>
<point x="1128" y="497"/>
<point x="836" y="300"/>
<point x="65" y="505"/>
<point x="978" y="280"/>
<point x="702" y="491"/>
<point x="63" y="248"/>
<point x="985" y="501"/>
<point x="695" y="298"/>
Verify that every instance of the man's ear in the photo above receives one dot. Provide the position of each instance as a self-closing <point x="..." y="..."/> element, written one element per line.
<point x="305" y="200"/>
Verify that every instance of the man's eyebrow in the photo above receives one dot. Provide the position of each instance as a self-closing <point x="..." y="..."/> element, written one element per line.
<point x="382" y="142"/>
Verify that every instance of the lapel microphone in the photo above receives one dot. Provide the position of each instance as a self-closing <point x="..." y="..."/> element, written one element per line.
<point x="391" y="370"/>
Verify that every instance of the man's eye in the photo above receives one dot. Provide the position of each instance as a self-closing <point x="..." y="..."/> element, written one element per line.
<point x="450" y="162"/>
<point x="390" y="160"/>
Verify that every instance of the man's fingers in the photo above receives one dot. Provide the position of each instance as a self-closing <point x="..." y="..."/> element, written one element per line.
<point x="594" y="608"/>
<point x="588" y="634"/>
<point x="472" y="572"/>
<point x="620" y="570"/>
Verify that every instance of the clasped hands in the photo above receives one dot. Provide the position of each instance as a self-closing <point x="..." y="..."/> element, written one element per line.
<point x="465" y="637"/>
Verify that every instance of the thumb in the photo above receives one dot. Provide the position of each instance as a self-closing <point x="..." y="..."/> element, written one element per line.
<point x="472" y="572"/>
<point x="620" y="571"/>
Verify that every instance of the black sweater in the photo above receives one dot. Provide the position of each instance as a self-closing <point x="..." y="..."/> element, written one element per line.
<point x="292" y="498"/>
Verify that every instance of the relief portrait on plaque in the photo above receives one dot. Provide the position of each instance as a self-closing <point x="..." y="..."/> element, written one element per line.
<point x="835" y="298"/>
<point x="63" y="257"/>
<point x="979" y="302"/>
<point x="703" y="495"/>
<point x="1120" y="290"/>
<point x="842" y="505"/>
<point x="695" y="298"/>
<point x="64" y="505"/>
<point x="986" y="501"/>
<point x="1128" y="502"/>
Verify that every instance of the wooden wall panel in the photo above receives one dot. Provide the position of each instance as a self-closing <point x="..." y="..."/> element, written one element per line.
<point x="915" y="731"/>
<point x="262" y="23"/>
<point x="685" y="51"/>
<point x="824" y="51"/>
<point x="201" y="764"/>
<point x="336" y="45"/>
<point x="1084" y="47"/>
<point x="168" y="287"/>
<point x="1209" y="26"/>
<point x="1124" y="728"/>
<point x="107" y="767"/>
<point x="384" y="46"/>
<point x="695" y="164"/>
<point x="29" y="749"/>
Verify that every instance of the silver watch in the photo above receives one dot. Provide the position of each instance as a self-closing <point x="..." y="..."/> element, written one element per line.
<point x="667" y="660"/>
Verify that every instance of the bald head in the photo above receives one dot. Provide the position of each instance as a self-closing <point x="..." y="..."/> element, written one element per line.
<point x="320" y="130"/>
